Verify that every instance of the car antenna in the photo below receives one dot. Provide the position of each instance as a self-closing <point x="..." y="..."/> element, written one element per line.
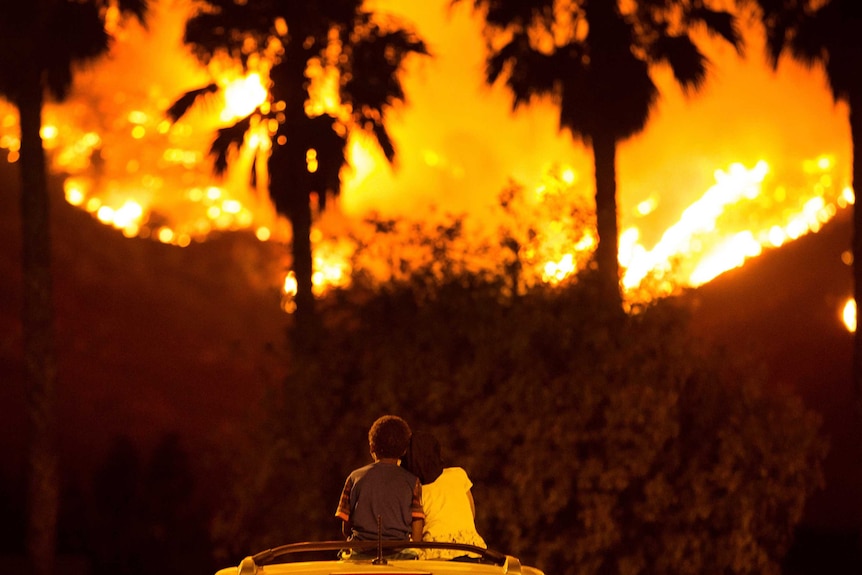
<point x="379" y="560"/>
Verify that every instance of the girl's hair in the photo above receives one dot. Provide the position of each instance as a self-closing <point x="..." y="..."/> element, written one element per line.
<point x="423" y="457"/>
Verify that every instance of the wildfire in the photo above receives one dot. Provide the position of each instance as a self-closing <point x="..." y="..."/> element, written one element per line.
<point x="711" y="248"/>
<point x="131" y="169"/>
<point x="738" y="218"/>
<point x="242" y="96"/>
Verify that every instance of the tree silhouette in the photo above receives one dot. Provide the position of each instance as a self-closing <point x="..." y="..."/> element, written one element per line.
<point x="595" y="59"/>
<point x="148" y="513"/>
<point x="116" y="528"/>
<point x="308" y="148"/>
<point x="828" y="33"/>
<point x="40" y="42"/>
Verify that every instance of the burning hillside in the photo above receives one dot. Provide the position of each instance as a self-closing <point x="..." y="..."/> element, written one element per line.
<point x="711" y="184"/>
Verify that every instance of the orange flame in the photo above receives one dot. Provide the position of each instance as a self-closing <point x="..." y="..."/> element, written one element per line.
<point x="848" y="315"/>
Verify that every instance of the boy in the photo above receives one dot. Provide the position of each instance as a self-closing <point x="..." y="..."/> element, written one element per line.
<point x="383" y="489"/>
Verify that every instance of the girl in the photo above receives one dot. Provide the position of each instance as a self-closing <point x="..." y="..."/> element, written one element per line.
<point x="446" y="498"/>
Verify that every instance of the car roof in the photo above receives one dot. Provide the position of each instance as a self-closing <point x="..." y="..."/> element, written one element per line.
<point x="378" y="558"/>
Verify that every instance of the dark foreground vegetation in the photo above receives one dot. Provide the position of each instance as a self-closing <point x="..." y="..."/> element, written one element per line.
<point x="597" y="444"/>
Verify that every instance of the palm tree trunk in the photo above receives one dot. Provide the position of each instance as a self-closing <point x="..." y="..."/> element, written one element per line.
<point x="289" y="190"/>
<point x="607" y="251"/>
<point x="288" y="170"/>
<point x="38" y="327"/>
<point x="302" y="265"/>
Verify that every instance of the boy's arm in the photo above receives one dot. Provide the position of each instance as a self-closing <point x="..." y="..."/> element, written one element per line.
<point x="418" y="525"/>
<point x="343" y="511"/>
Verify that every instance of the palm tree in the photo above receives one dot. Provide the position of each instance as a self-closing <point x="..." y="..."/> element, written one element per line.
<point x="594" y="58"/>
<point x="367" y="55"/>
<point x="828" y="33"/>
<point x="40" y="41"/>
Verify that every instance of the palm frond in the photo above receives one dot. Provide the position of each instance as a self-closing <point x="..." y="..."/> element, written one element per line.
<point x="227" y="140"/>
<point x="179" y="108"/>
<point x="76" y="35"/>
<point x="381" y="135"/>
<point x="230" y="27"/>
<point x="330" y="145"/>
<point x="135" y="8"/>
<point x="687" y="62"/>
<point x="814" y="35"/>
<point x="206" y="34"/>
<point x="718" y="22"/>
<point x="514" y="14"/>
<point x="503" y="58"/>
<point x="527" y="72"/>
<point x="833" y="37"/>
<point x="374" y="63"/>
<point x="780" y="24"/>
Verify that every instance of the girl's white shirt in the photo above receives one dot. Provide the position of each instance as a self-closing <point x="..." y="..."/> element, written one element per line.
<point x="447" y="503"/>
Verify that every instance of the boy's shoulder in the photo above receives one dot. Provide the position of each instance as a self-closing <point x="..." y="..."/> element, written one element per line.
<point x="360" y="471"/>
<point x="380" y="468"/>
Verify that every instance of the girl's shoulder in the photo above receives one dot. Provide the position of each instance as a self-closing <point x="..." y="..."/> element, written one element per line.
<point x="457" y="474"/>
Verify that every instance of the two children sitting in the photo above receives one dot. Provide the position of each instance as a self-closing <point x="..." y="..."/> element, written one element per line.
<point x="419" y="500"/>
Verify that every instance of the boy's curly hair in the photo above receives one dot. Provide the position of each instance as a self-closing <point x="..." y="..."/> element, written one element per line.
<point x="389" y="436"/>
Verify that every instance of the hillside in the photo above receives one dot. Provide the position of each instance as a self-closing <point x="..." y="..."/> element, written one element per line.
<point x="784" y="309"/>
<point x="152" y="338"/>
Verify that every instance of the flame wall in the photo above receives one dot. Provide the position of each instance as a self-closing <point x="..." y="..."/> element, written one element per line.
<point x="458" y="142"/>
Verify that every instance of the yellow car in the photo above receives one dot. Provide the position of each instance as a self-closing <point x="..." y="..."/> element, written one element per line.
<point x="377" y="558"/>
